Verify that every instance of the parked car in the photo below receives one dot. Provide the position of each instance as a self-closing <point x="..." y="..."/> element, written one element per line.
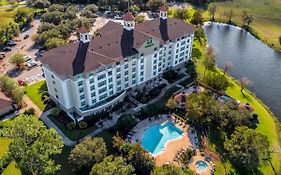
<point x="11" y="43"/>
<point x="117" y="17"/>
<point x="26" y="36"/>
<point x="40" y="53"/>
<point x="27" y="58"/>
<point x="6" y="49"/>
<point x="30" y="64"/>
<point x="3" y="54"/>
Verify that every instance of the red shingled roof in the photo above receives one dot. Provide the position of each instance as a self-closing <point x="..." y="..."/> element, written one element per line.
<point x="163" y="8"/>
<point x="83" y="29"/>
<point x="111" y="45"/>
<point x="4" y="101"/>
<point x="128" y="17"/>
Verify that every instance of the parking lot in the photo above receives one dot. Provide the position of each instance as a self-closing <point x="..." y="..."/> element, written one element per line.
<point x="23" y="46"/>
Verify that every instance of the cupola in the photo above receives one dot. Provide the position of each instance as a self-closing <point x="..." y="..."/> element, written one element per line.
<point x="129" y="23"/>
<point x="163" y="10"/>
<point x="84" y="34"/>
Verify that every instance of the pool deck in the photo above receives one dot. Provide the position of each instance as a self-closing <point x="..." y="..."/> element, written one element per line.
<point x="187" y="140"/>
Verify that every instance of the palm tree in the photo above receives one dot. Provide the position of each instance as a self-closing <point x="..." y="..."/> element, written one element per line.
<point x="227" y="66"/>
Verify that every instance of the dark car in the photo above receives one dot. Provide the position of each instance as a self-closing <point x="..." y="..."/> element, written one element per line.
<point x="6" y="49"/>
<point x="11" y="43"/>
<point x="25" y="36"/>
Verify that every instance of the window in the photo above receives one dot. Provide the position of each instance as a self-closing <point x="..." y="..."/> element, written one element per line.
<point x="118" y="82"/>
<point x="52" y="76"/>
<point x="117" y="63"/>
<point x="118" y="69"/>
<point x="80" y="90"/>
<point x="103" y="96"/>
<point x="134" y="69"/>
<point x="83" y="103"/>
<point x="92" y="88"/>
<point x="177" y="50"/>
<point x="141" y="79"/>
<point x="126" y="66"/>
<point x="141" y="67"/>
<point x="82" y="97"/>
<point x="154" y="67"/>
<point x="91" y="80"/>
<point x="57" y="90"/>
<point x="118" y="76"/>
<point x="110" y="80"/>
<point x="155" y="61"/>
<point x="93" y="94"/>
<point x="94" y="101"/>
<point x="126" y="85"/>
<point x="102" y="83"/>
<point x="109" y="73"/>
<point x="141" y="55"/>
<point x="101" y="76"/>
<point x="155" y="48"/>
<point x="119" y="88"/>
<point x="102" y="90"/>
<point x="154" y="73"/>
<point x="57" y="96"/>
<point x="54" y="82"/>
<point x="110" y="86"/>
<point x="134" y="75"/>
<point x="111" y="93"/>
<point x="142" y="60"/>
<point x="126" y="79"/>
<point x="80" y="83"/>
<point x="126" y="72"/>
<point x="155" y="55"/>
<point x="133" y="82"/>
<point x="141" y="73"/>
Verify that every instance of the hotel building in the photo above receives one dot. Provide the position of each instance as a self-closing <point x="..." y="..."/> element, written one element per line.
<point x="95" y="73"/>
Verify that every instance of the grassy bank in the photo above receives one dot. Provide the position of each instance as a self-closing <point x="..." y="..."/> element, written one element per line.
<point x="268" y="123"/>
<point x="34" y="92"/>
<point x="267" y="23"/>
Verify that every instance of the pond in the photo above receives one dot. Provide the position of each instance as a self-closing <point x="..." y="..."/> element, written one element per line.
<point x="251" y="58"/>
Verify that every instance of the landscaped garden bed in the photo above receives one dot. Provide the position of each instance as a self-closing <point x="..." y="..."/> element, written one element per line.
<point x="145" y="96"/>
<point x="171" y="76"/>
<point x="187" y="81"/>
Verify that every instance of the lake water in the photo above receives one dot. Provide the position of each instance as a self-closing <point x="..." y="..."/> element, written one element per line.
<point x="250" y="58"/>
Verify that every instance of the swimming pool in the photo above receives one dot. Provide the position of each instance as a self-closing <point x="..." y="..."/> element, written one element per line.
<point x="201" y="166"/>
<point x="156" y="136"/>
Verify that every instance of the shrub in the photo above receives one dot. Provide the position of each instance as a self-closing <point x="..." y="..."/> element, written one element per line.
<point x="82" y="125"/>
<point x="55" y="112"/>
<point x="29" y="111"/>
<point x="124" y="124"/>
<point x="71" y="125"/>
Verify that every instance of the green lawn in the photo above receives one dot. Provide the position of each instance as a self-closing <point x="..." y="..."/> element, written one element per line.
<point x="4" y="146"/>
<point x="107" y="137"/>
<point x="267" y="23"/>
<point x="267" y="125"/>
<point x="34" y="92"/>
<point x="75" y="134"/>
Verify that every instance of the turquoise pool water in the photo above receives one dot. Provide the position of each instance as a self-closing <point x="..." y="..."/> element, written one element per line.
<point x="201" y="166"/>
<point x="155" y="137"/>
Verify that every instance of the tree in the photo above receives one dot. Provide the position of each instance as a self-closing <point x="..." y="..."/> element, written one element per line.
<point x="134" y="8"/>
<point x="88" y="152"/>
<point x="32" y="145"/>
<point x="54" y="17"/>
<point x="88" y="14"/>
<point x="112" y="166"/>
<point x="17" y="59"/>
<point x="53" y="42"/>
<point x="243" y="83"/>
<point x="227" y="66"/>
<point x="171" y="170"/>
<point x="154" y="5"/>
<point x="17" y="94"/>
<point x="229" y="16"/>
<point x="171" y="103"/>
<point x="92" y="7"/>
<point x="24" y="16"/>
<point x="197" y="18"/>
<point x="248" y="148"/>
<point x="181" y="13"/>
<point x="7" y="32"/>
<point x="41" y="4"/>
<point x="200" y="109"/>
<point x="209" y="62"/>
<point x="124" y="124"/>
<point x="216" y="81"/>
<point x="11" y="88"/>
<point x="199" y="34"/>
<point x="247" y="19"/>
<point x="139" y="19"/>
<point x="212" y="9"/>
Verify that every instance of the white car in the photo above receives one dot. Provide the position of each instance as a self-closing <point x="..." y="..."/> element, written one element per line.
<point x="27" y="58"/>
<point x="30" y="64"/>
